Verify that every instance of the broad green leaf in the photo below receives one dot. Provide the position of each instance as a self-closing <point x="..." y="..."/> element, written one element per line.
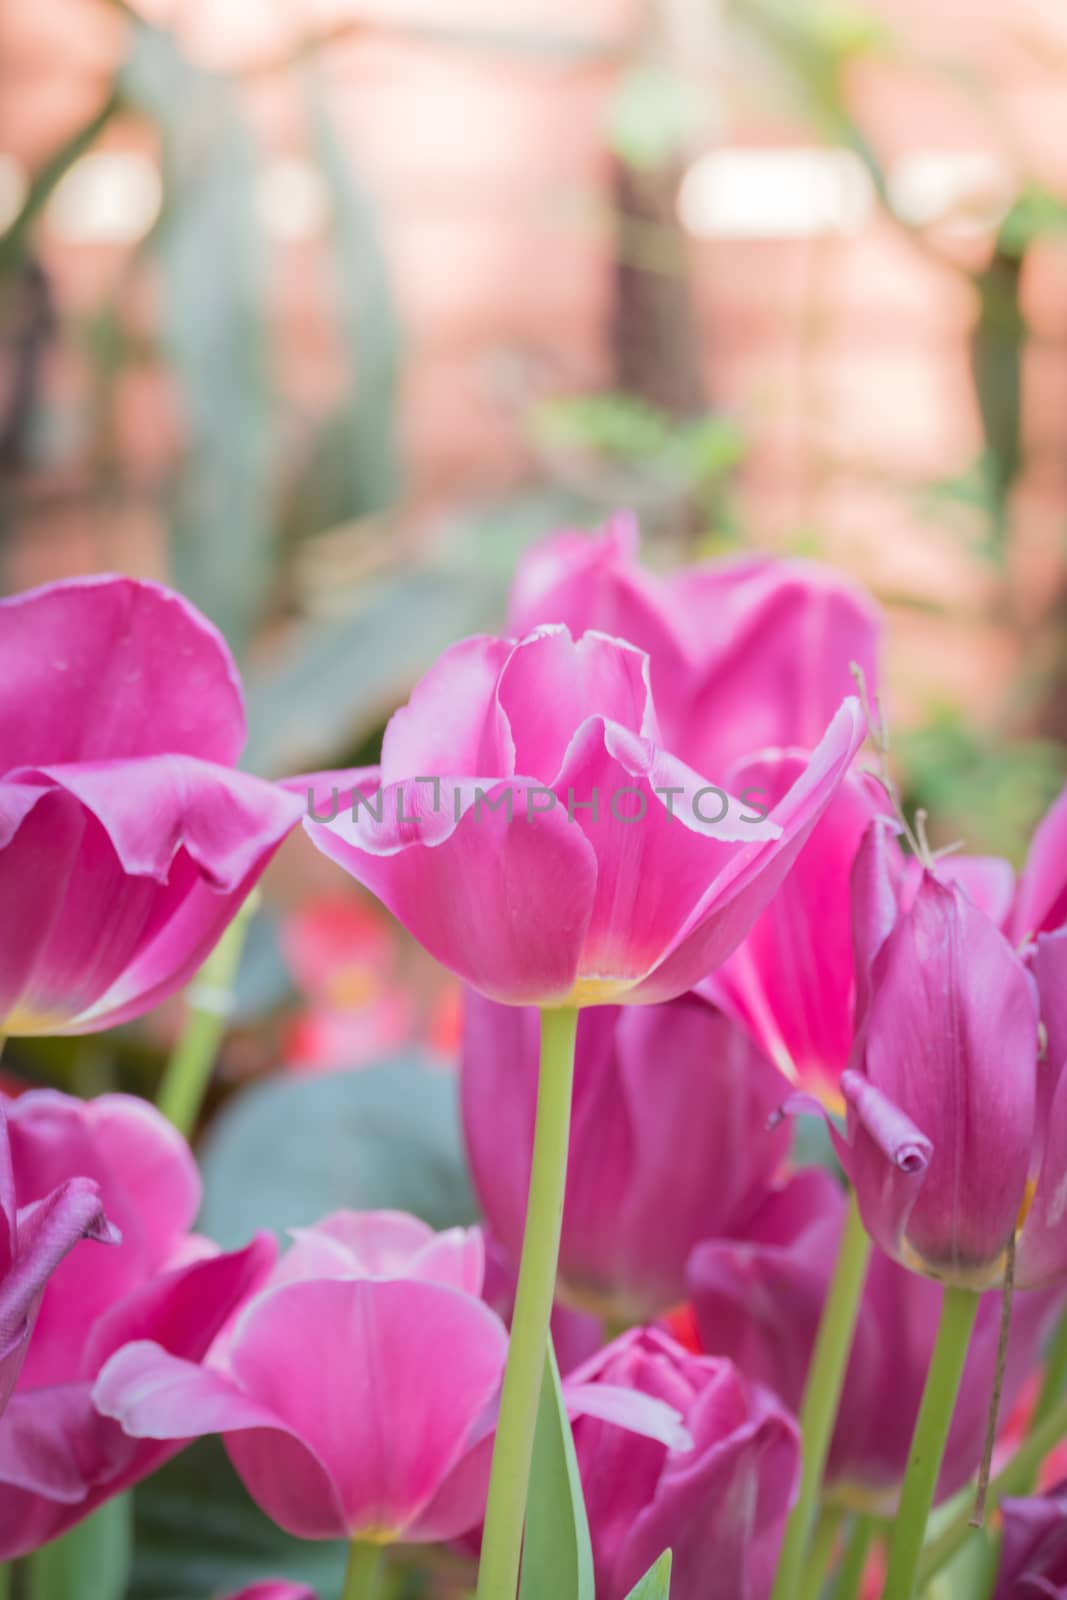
<point x="364" y="435"/>
<point x="557" y="1558"/>
<point x="284" y="1153"/>
<point x="215" y="331"/>
<point x="656" y="1583"/>
<point x="199" y="1535"/>
<point x="339" y="678"/>
<point x="100" y="1546"/>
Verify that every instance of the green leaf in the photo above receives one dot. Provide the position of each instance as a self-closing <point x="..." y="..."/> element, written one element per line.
<point x="339" y="678"/>
<point x="199" y="1534"/>
<point x="100" y="1545"/>
<point x="15" y="239"/>
<point x="361" y="441"/>
<point x="656" y="1583"/>
<point x="215" y="331"/>
<point x="557" y="1558"/>
<point x="285" y="1153"/>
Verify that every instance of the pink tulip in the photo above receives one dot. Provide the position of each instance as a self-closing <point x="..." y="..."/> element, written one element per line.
<point x="59" y="1457"/>
<point x="34" y="1239"/>
<point x="745" y="652"/>
<point x="791" y="982"/>
<point x="758" y="1301"/>
<point x="127" y="839"/>
<point x="943" y="1127"/>
<point x="669" y="1143"/>
<point x="1041" y="899"/>
<point x="527" y="826"/>
<point x="1033" y="1554"/>
<point x="356" y="1393"/>
<point x="720" y="1506"/>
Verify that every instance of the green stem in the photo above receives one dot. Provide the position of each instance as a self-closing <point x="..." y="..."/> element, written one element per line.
<point x="822" y="1393"/>
<point x="819" y="1553"/>
<point x="188" y="1072"/>
<point x="1055" y="1378"/>
<point x="958" y="1311"/>
<point x="363" y="1574"/>
<point x="6" y="1574"/>
<point x="854" y="1560"/>
<point x="1015" y="1478"/>
<point x="498" y="1572"/>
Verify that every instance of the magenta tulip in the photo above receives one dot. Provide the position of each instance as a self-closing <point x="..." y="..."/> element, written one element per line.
<point x="34" y="1238"/>
<point x="720" y="1506"/>
<point x="529" y="829"/>
<point x="669" y="1143"/>
<point x="356" y="1393"/>
<point x="59" y="1457"/>
<point x="1033" y="1554"/>
<point x="746" y="652"/>
<point x="127" y="839"/>
<point x="759" y="1300"/>
<point x="943" y="1127"/>
<point x="276" y="1589"/>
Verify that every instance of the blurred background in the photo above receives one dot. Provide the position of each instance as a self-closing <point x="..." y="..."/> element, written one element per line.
<point x="322" y="309"/>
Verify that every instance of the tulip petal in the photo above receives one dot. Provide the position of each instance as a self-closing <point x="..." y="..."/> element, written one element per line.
<point x="104" y="667"/>
<point x="1041" y="905"/>
<point x="451" y="722"/>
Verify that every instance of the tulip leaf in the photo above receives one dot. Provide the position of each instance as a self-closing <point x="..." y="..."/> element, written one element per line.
<point x="286" y="1152"/>
<point x="656" y="1583"/>
<point x="100" y="1545"/>
<point x="557" y="1557"/>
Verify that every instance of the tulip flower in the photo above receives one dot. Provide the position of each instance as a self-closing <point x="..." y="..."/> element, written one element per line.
<point x="745" y="652"/>
<point x="59" y="1456"/>
<point x="356" y="1391"/>
<point x="34" y="1239"/>
<point x="528" y="827"/>
<point x="1033" y="1554"/>
<point x="720" y="1506"/>
<point x="759" y="1300"/>
<point x="670" y="1141"/>
<point x="127" y="839"/>
<point x="276" y="1589"/>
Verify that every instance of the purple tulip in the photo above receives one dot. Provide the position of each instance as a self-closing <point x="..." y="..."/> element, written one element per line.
<point x="1033" y="1555"/>
<point x="59" y="1457"/>
<point x="943" y="1101"/>
<point x="759" y="1300"/>
<point x="669" y="1144"/>
<point x="127" y="839"/>
<point x="746" y="653"/>
<point x="530" y="829"/>
<point x="34" y="1239"/>
<point x="720" y="1505"/>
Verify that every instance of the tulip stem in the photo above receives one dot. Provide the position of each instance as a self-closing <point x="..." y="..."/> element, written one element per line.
<point x="209" y="997"/>
<point x="958" y="1311"/>
<point x="826" y="1375"/>
<point x="819" y="1553"/>
<point x="498" y="1572"/>
<point x="1017" y="1478"/>
<point x="854" y="1559"/>
<point x="363" y="1574"/>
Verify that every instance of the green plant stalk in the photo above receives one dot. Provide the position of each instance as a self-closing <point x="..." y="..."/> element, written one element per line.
<point x="822" y="1392"/>
<point x="958" y="1311"/>
<point x="1015" y="1478"/>
<point x="498" y="1572"/>
<point x="1055" y="1378"/>
<point x="210" y="995"/>
<point x="854" y="1559"/>
<point x="819" y="1553"/>
<point x="364" y="1571"/>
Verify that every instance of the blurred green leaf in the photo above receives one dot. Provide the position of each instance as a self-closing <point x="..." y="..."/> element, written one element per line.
<point x="654" y="116"/>
<point x="199" y="1535"/>
<point x="284" y="1153"/>
<point x="557" y="1557"/>
<point x="338" y="678"/>
<point x="354" y="469"/>
<point x="13" y="241"/>
<point x="100" y="1545"/>
<point x="656" y="1583"/>
<point x="214" y="331"/>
